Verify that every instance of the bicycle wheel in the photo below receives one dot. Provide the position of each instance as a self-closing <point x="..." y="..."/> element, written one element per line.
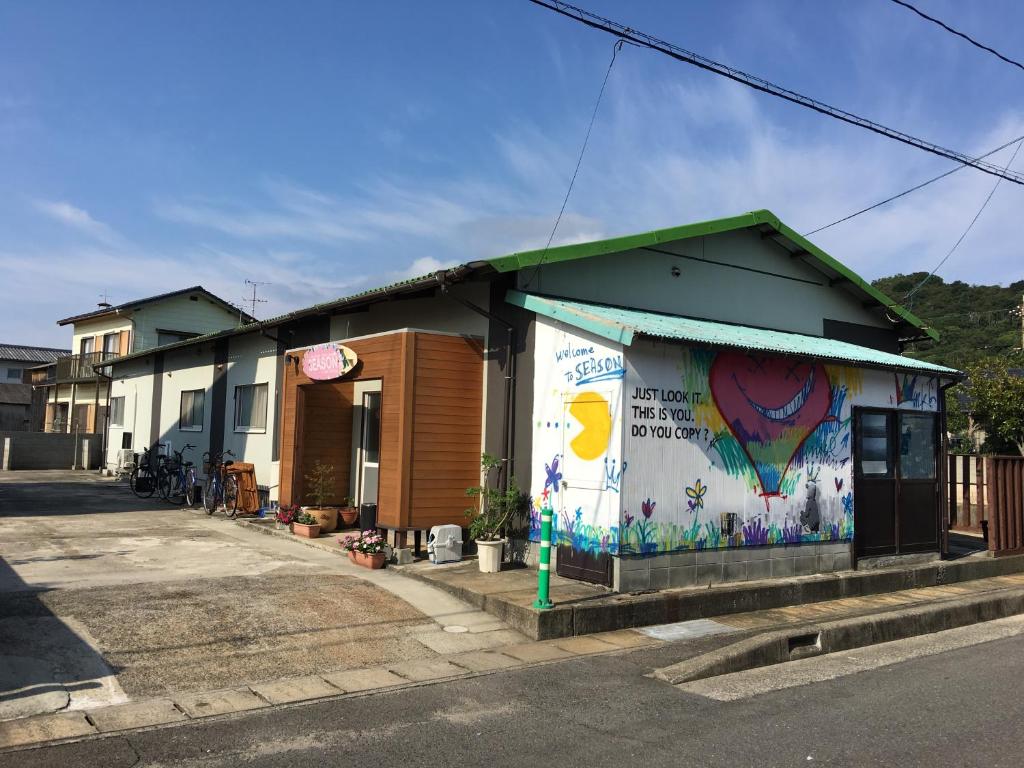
<point x="211" y="494"/>
<point x="189" y="491"/>
<point x="230" y="495"/>
<point x="170" y="488"/>
<point x="142" y="482"/>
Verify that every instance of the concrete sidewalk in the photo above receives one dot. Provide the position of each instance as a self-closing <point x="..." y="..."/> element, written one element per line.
<point x="582" y="608"/>
<point x="701" y="642"/>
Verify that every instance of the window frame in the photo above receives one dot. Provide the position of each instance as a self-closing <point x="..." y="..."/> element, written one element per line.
<point x="110" y="411"/>
<point x="245" y="428"/>
<point x="192" y="427"/>
<point x="116" y="336"/>
<point x="19" y="374"/>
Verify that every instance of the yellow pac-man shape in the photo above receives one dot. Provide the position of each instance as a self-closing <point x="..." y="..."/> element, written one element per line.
<point x="594" y="416"/>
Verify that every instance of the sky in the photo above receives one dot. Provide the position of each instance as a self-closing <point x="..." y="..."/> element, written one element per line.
<point x="329" y="147"/>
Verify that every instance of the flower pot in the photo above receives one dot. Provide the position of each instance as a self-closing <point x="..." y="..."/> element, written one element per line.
<point x="489" y="554"/>
<point x="349" y="515"/>
<point x="306" y="531"/>
<point x="376" y="560"/>
<point x="328" y="517"/>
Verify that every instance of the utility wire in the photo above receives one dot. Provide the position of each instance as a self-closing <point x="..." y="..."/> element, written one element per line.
<point x="586" y="139"/>
<point x="912" y="189"/>
<point x="995" y="186"/>
<point x="958" y="33"/>
<point x="760" y="84"/>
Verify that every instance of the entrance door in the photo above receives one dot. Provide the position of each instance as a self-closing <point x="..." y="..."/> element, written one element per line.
<point x="366" y="441"/>
<point x="896" y="504"/>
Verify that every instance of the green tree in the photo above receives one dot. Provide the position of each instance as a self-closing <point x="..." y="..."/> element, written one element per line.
<point x="995" y="392"/>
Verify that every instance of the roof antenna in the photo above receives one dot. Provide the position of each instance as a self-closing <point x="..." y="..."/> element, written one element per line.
<point x="254" y="301"/>
<point x="104" y="302"/>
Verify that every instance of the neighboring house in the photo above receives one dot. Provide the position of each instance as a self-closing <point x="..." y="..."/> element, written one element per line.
<point x="712" y="402"/>
<point x="16" y="394"/>
<point x="76" y="387"/>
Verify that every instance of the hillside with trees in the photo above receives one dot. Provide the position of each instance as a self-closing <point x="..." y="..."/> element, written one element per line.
<point x="973" y="321"/>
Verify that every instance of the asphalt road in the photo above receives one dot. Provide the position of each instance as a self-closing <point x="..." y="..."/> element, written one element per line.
<point x="959" y="708"/>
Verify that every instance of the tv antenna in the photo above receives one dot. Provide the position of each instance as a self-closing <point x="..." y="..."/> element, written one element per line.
<point x="253" y="301"/>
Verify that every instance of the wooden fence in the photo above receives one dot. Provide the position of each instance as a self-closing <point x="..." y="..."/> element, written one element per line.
<point x="988" y="492"/>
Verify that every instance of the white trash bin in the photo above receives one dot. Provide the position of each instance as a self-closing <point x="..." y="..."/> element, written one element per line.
<point x="444" y="545"/>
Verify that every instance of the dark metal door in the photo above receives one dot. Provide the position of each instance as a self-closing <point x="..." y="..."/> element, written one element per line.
<point x="896" y="493"/>
<point x="918" y="484"/>
<point x="874" y="484"/>
<point x="595" y="567"/>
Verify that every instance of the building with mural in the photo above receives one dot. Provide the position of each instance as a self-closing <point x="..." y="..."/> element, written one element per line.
<point x="713" y="402"/>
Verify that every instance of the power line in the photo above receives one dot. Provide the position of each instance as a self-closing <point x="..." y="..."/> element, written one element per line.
<point x="958" y="33"/>
<point x="912" y="189"/>
<point x="995" y="186"/>
<point x="760" y="84"/>
<point x="586" y="139"/>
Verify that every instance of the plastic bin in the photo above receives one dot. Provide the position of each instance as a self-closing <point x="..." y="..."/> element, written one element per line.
<point x="444" y="545"/>
<point x="367" y="517"/>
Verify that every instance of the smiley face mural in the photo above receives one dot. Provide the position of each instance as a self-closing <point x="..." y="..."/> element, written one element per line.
<point x="771" y="405"/>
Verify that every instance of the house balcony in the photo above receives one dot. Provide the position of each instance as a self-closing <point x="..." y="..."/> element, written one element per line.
<point x="81" y="367"/>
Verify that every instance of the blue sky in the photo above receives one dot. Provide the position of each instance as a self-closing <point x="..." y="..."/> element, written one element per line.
<point x="327" y="147"/>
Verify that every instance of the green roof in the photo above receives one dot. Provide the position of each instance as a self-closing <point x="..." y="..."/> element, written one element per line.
<point x="623" y="325"/>
<point x="770" y="226"/>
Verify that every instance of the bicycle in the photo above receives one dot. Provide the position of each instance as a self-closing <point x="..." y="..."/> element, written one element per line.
<point x="143" y="479"/>
<point x="221" y="489"/>
<point x="178" y="479"/>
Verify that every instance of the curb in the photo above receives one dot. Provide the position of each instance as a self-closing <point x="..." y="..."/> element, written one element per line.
<point x="632" y="610"/>
<point x="815" y="639"/>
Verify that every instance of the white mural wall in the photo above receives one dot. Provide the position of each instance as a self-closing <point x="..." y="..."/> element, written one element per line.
<point x="577" y="435"/>
<point x="732" y="448"/>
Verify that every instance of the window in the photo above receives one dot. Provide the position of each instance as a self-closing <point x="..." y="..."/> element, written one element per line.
<point x="14" y="374"/>
<point x="117" y="411"/>
<point x="112" y="343"/>
<point x="172" y="337"/>
<point x="192" y="410"/>
<point x="251" y="408"/>
<point x="88" y="345"/>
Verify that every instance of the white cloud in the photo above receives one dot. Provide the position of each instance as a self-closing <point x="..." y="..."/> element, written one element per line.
<point x="77" y="218"/>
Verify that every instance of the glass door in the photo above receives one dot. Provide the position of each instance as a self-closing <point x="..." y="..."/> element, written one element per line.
<point x="367" y="458"/>
<point x="918" y="497"/>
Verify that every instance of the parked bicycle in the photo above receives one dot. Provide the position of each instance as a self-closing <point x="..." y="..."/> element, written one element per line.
<point x="177" y="479"/>
<point x="144" y="476"/>
<point x="221" y="489"/>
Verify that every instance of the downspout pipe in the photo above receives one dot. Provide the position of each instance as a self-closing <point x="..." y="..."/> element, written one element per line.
<point x="508" y="406"/>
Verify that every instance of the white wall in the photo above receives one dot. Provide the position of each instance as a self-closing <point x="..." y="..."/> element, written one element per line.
<point x="186" y="369"/>
<point x="784" y="293"/>
<point x="98" y="327"/>
<point x="252" y="359"/>
<point x="133" y="381"/>
<point x="577" y="433"/>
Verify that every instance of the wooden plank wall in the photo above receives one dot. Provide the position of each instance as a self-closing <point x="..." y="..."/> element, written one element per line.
<point x="447" y="406"/>
<point x="431" y="426"/>
<point x="309" y="413"/>
<point x="1005" y="493"/>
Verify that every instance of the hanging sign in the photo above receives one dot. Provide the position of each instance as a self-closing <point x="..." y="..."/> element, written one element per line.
<point x="328" y="361"/>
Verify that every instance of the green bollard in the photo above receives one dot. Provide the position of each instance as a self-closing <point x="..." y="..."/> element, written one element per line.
<point x="543" y="600"/>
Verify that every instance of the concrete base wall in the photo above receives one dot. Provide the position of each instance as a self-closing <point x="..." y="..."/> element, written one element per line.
<point x="43" y="450"/>
<point x="714" y="566"/>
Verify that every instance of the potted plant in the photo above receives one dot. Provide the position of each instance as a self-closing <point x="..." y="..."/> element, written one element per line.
<point x="366" y="549"/>
<point x="492" y="519"/>
<point x="321" y="484"/>
<point x="286" y="516"/>
<point x="349" y="512"/>
<point x="306" y="525"/>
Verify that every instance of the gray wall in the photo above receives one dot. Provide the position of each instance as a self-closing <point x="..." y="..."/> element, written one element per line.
<point x="45" y="450"/>
<point x="733" y="277"/>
